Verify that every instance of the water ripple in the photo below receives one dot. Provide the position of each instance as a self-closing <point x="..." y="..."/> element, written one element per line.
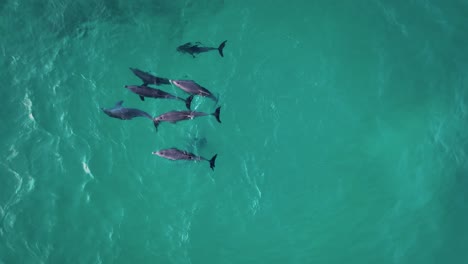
<point x="392" y="17"/>
<point x="252" y="179"/>
<point x="178" y="234"/>
<point x="28" y="105"/>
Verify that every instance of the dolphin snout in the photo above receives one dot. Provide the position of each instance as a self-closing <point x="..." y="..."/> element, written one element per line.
<point x="155" y="153"/>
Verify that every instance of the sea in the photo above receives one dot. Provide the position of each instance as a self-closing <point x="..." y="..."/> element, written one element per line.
<point x="343" y="134"/>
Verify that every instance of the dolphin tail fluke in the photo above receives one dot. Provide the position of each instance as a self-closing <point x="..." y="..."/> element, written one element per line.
<point x="221" y="47"/>
<point x="156" y="123"/>
<point x="216" y="113"/>
<point x="188" y="101"/>
<point x="212" y="161"/>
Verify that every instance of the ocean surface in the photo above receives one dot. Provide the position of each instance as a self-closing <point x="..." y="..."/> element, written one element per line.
<point x="343" y="136"/>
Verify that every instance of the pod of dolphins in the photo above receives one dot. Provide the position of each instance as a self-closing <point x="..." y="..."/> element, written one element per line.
<point x="189" y="86"/>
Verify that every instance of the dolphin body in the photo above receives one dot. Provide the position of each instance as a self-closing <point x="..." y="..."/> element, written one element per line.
<point x="148" y="78"/>
<point x="195" y="48"/>
<point x="145" y="91"/>
<point x="191" y="87"/>
<point x="175" y="116"/>
<point x="124" y="113"/>
<point x="177" y="154"/>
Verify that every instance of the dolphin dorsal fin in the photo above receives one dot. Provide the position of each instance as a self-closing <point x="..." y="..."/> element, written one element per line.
<point x="119" y="103"/>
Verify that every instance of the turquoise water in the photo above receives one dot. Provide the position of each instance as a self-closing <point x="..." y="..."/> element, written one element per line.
<point x="343" y="137"/>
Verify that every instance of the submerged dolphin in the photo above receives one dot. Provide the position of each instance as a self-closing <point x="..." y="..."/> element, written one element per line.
<point x="192" y="87"/>
<point x="177" y="154"/>
<point x="145" y="91"/>
<point x="175" y="116"/>
<point x="196" y="143"/>
<point x="193" y="49"/>
<point x="124" y="113"/>
<point x="148" y="78"/>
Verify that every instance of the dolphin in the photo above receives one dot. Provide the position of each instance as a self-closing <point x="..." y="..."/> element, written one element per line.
<point x="124" y="113"/>
<point x="191" y="87"/>
<point x="177" y="154"/>
<point x="148" y="78"/>
<point x="194" y="48"/>
<point x="145" y="91"/>
<point x="175" y="116"/>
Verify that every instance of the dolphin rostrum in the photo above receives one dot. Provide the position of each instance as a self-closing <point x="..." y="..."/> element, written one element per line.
<point x="177" y="154"/>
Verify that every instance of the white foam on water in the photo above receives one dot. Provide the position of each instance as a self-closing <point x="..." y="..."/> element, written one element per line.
<point x="87" y="171"/>
<point x="111" y="234"/>
<point x="86" y="168"/>
<point x="30" y="184"/>
<point x="54" y="88"/>
<point x="13" y="153"/>
<point x="98" y="259"/>
<point x="28" y="105"/>
<point x="19" y="179"/>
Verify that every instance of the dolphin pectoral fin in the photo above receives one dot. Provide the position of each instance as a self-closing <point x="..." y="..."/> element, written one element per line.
<point x="142" y="98"/>
<point x="119" y="103"/>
